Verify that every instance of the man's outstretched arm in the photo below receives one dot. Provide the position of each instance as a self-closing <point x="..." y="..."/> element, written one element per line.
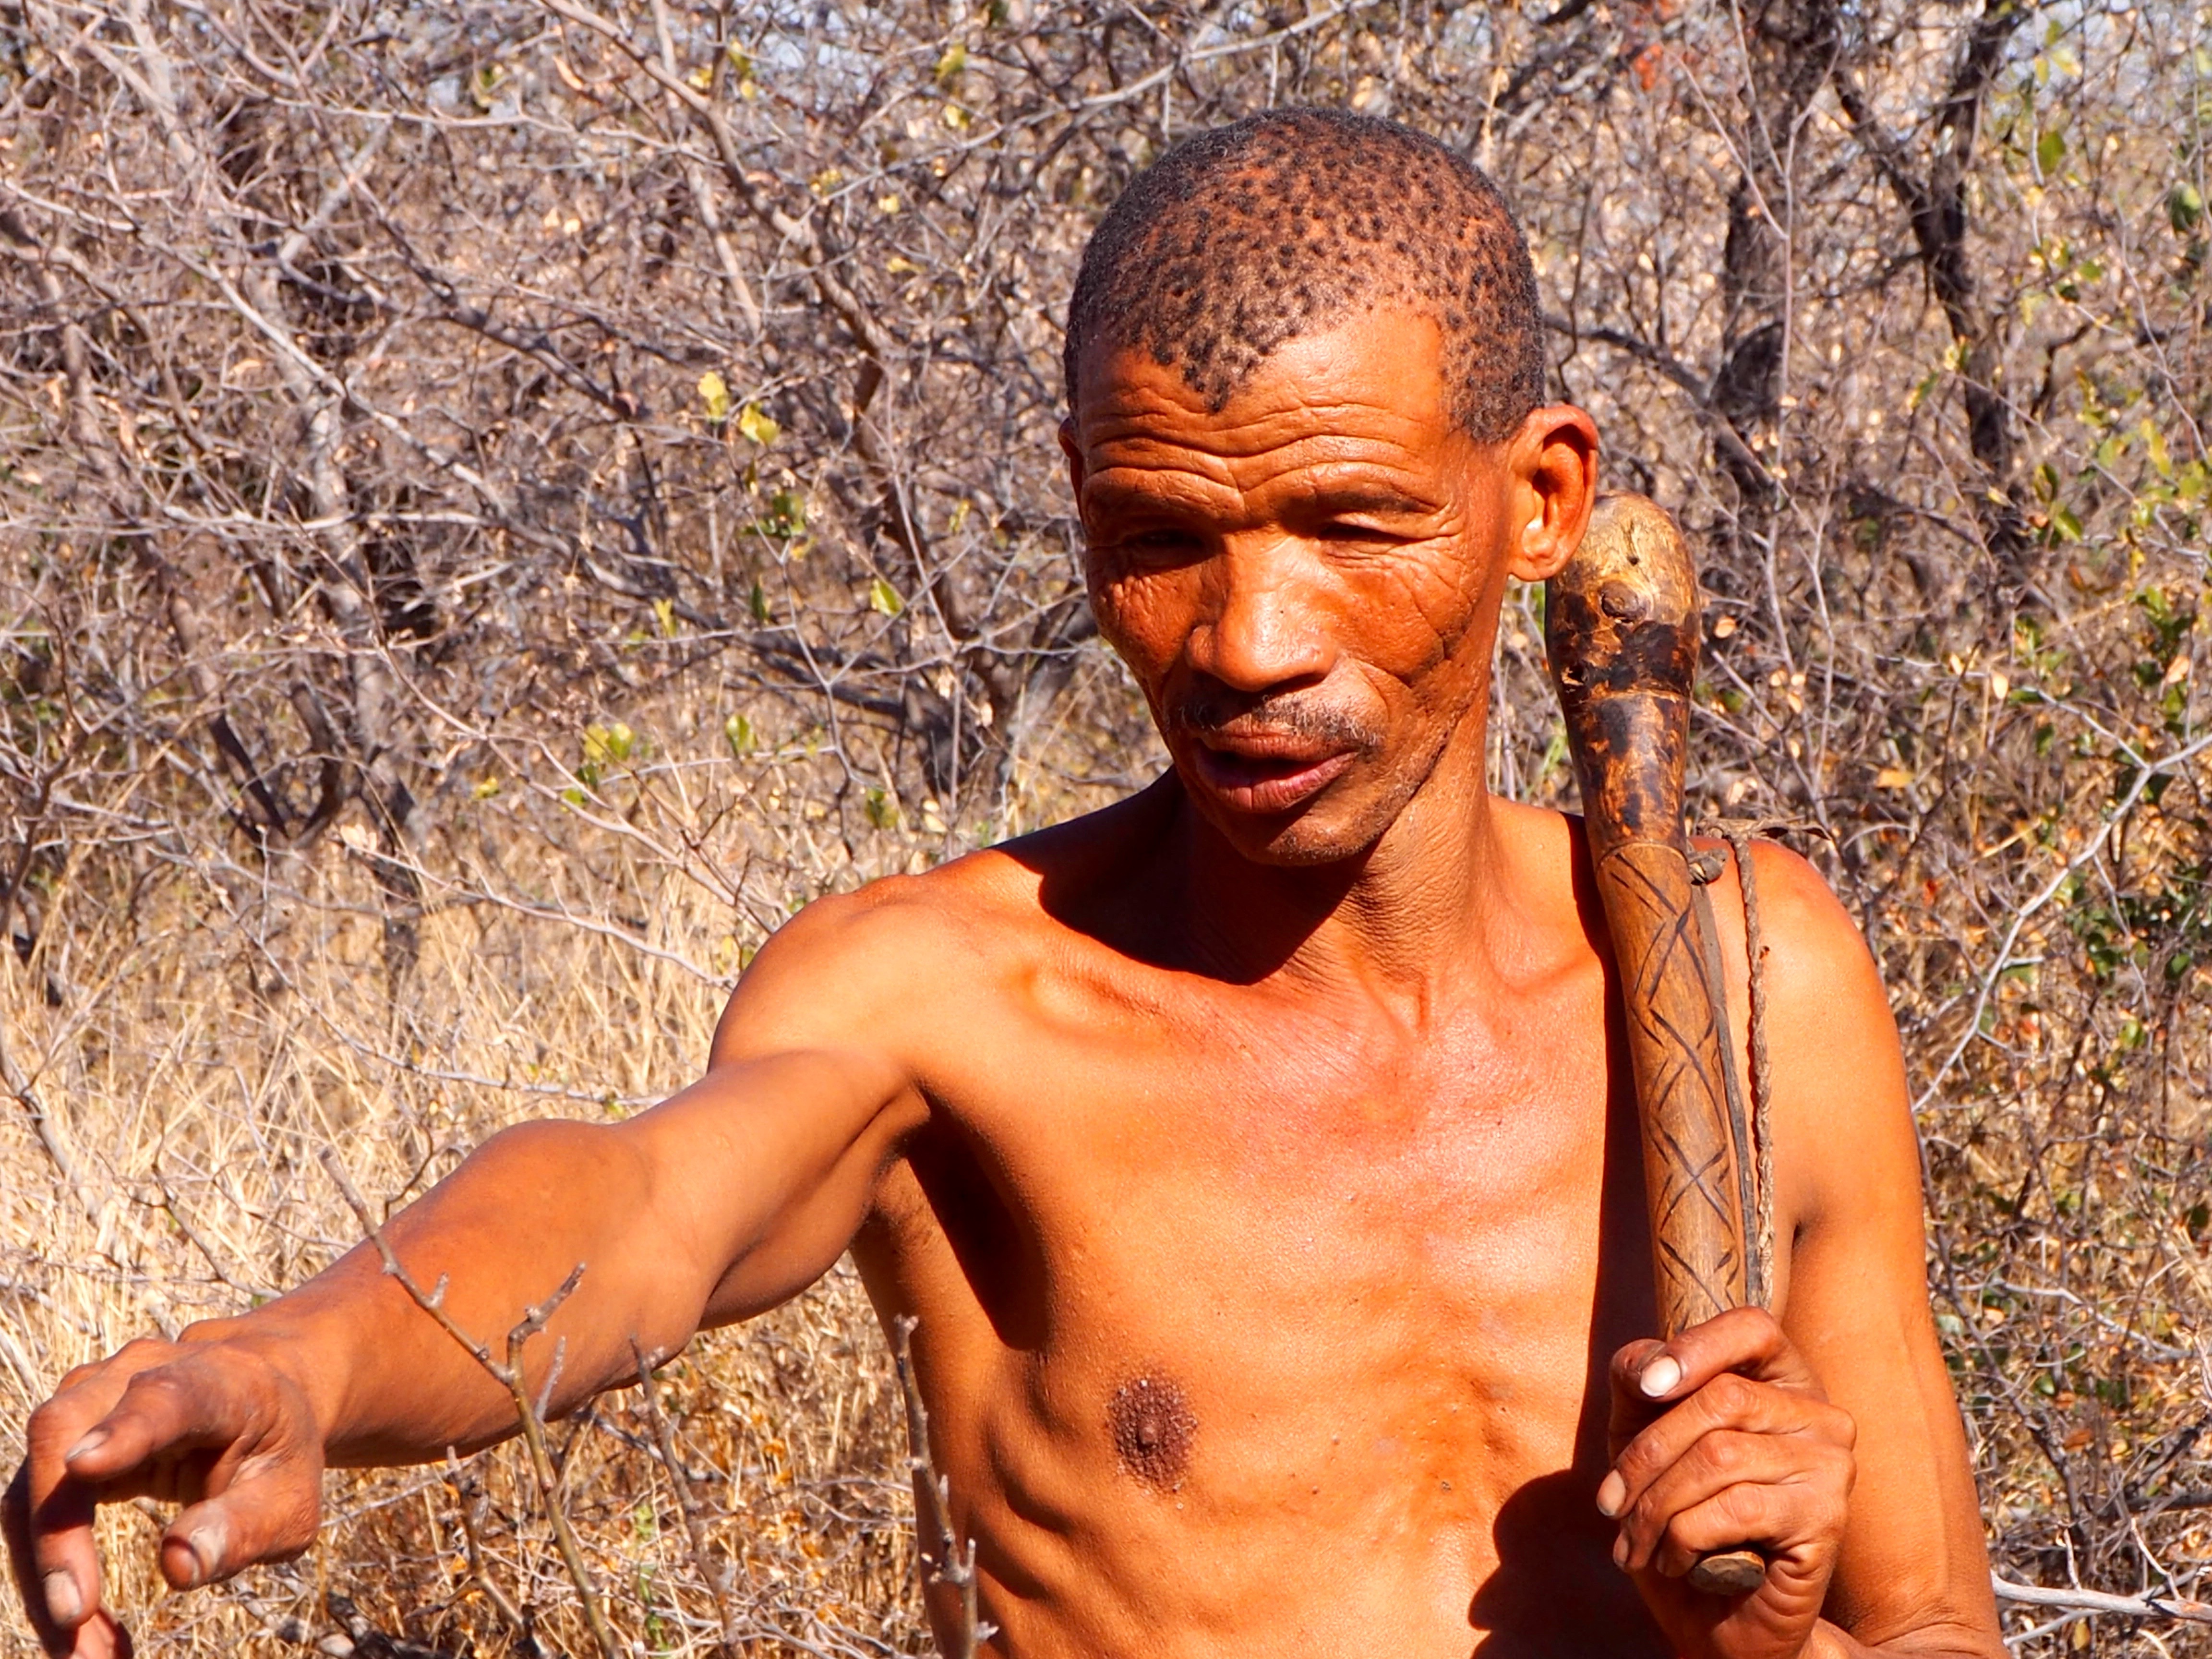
<point x="722" y="1202"/>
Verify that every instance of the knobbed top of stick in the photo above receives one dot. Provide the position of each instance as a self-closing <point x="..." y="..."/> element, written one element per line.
<point x="1621" y="624"/>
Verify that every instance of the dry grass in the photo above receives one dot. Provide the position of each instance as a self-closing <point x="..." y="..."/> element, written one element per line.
<point x="207" y="1060"/>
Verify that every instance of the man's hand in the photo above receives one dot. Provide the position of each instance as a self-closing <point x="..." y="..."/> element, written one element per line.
<point x="717" y="1204"/>
<point x="1720" y="1438"/>
<point x="213" y="1426"/>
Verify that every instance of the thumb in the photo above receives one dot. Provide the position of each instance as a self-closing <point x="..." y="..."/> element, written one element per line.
<point x="1632" y="1406"/>
<point x="269" y="1517"/>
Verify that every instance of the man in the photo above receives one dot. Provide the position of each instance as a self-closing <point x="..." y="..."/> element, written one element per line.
<point x="1259" y="1154"/>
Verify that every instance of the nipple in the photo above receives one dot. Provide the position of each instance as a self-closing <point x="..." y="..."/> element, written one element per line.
<point x="1152" y="1426"/>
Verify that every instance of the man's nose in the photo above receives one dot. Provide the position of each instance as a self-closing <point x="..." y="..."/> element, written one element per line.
<point x="1264" y="628"/>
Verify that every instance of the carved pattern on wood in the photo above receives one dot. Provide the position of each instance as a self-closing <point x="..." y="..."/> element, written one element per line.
<point x="1621" y="626"/>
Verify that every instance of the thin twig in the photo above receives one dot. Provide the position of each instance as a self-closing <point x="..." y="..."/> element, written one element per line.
<point x="949" y="1561"/>
<point x="717" y="1576"/>
<point x="470" y="1501"/>
<point x="2093" y="1601"/>
<point x="509" y="1376"/>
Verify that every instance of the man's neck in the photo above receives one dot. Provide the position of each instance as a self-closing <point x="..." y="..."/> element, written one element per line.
<point x="1431" y="904"/>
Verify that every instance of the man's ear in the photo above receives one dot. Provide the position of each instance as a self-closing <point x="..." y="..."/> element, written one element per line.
<point x="1073" y="450"/>
<point x="1552" y="464"/>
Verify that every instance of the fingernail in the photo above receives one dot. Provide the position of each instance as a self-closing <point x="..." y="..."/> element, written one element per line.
<point x="1610" y="1492"/>
<point x="205" y="1541"/>
<point x="92" y="1441"/>
<point x="63" y="1605"/>
<point x="1620" y="1552"/>
<point x="1659" y="1377"/>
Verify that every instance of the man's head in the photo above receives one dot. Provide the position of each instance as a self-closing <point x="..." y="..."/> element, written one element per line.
<point x="1295" y="221"/>
<point x="1305" y="366"/>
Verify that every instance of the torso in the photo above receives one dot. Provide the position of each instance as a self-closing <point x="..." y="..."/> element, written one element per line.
<point x="1255" y="1327"/>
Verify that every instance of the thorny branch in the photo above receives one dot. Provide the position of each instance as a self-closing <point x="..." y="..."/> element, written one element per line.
<point x="508" y="1373"/>
<point x="944" y="1558"/>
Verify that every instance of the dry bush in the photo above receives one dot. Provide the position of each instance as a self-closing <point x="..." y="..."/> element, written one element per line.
<point x="501" y="503"/>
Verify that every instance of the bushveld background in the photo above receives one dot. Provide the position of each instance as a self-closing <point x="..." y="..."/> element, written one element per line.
<point x="501" y="503"/>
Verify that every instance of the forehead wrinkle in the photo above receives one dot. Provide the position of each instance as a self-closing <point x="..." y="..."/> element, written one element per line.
<point x="1308" y="467"/>
<point x="1323" y="388"/>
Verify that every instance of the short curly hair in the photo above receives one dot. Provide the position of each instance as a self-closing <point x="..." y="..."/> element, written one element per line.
<point x="1290" y="222"/>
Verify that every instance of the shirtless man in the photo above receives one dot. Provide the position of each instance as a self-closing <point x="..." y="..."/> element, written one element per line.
<point x="1259" y="1154"/>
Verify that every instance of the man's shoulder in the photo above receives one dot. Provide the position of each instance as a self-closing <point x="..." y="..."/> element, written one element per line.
<point x="903" y="925"/>
<point x="902" y="950"/>
<point x="1843" y="1121"/>
<point x="983" y="901"/>
<point x="1813" y="951"/>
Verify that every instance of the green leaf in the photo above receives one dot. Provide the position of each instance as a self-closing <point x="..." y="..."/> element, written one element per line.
<point x="756" y="602"/>
<point x="607" y="745"/>
<point x="738" y="732"/>
<point x="2155" y="444"/>
<point x="882" y="810"/>
<point x="949" y="65"/>
<point x="757" y="426"/>
<point x="786" y="517"/>
<point x="715" y="392"/>
<point x="2185" y="207"/>
<point x="883" y="597"/>
<point x="2050" y="151"/>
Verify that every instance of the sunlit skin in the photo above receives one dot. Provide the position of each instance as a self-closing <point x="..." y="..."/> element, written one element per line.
<point x="1258" y="1154"/>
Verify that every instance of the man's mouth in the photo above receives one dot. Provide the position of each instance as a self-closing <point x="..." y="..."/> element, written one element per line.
<point x="1266" y="774"/>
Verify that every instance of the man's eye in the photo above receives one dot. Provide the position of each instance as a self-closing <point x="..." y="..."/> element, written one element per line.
<point x="1161" y="543"/>
<point x="1358" y="535"/>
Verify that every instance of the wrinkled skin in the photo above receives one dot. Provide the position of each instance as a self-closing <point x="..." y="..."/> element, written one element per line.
<point x="1258" y="1155"/>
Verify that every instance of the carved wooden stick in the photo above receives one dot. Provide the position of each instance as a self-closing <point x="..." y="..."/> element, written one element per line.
<point x="1621" y="631"/>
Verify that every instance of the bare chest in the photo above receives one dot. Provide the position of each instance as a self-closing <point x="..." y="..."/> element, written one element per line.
<point x="1440" y="1241"/>
<point x="1234" y="1299"/>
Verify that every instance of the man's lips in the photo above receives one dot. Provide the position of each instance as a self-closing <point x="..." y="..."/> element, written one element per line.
<point x="1265" y="776"/>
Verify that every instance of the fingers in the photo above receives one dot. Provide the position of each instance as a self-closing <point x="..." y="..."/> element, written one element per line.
<point x="15" y="1527"/>
<point x="1733" y="1488"/>
<point x="222" y="1432"/>
<point x="49" y="1512"/>
<point x="1648" y="1377"/>
<point x="93" y="1635"/>
<point x="173" y="1407"/>
<point x="1748" y="1342"/>
<point x="270" y="1513"/>
<point x="1811" y="1428"/>
<point x="1632" y="1408"/>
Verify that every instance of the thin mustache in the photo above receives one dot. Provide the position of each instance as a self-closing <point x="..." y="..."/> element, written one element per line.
<point x="1206" y="717"/>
